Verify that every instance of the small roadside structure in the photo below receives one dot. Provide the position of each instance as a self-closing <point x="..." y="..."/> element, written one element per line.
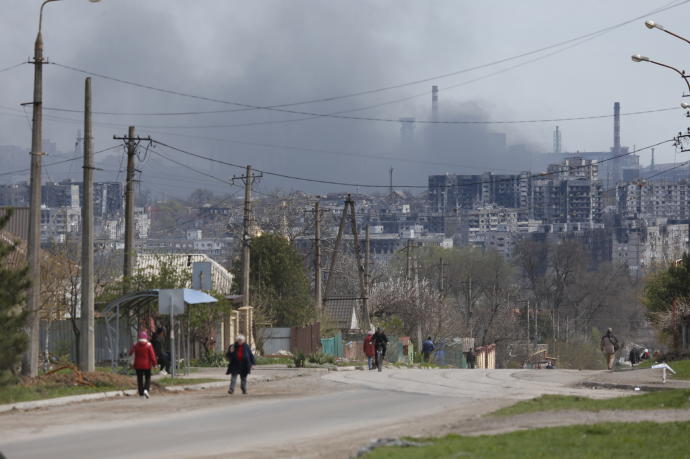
<point x="137" y="306"/>
<point x="344" y="314"/>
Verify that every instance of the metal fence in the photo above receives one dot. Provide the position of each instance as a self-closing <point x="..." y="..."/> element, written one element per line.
<point x="58" y="337"/>
<point x="274" y="340"/>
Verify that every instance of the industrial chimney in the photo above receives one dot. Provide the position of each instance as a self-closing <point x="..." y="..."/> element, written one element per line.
<point x="434" y="103"/>
<point x="616" y="128"/>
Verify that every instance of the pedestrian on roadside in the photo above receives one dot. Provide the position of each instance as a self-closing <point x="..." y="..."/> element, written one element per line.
<point x="241" y="360"/>
<point x="427" y="349"/>
<point x="609" y="346"/>
<point x="471" y="359"/>
<point x="144" y="358"/>
<point x="441" y="353"/>
<point x="369" y="349"/>
<point x="158" y="342"/>
<point x="380" y="341"/>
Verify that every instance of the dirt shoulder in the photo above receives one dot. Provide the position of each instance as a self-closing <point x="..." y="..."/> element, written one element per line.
<point x="18" y="425"/>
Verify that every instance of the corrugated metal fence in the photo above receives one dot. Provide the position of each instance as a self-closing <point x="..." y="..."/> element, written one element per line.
<point x="61" y="340"/>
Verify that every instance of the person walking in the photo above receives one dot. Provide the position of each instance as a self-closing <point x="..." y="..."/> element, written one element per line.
<point x="609" y="346"/>
<point x="380" y="345"/>
<point x="369" y="349"/>
<point x="158" y="342"/>
<point x="241" y="360"/>
<point x="144" y="358"/>
<point x="427" y="349"/>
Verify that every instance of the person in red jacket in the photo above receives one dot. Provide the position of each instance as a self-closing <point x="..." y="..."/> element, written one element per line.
<point x="144" y="360"/>
<point x="369" y="349"/>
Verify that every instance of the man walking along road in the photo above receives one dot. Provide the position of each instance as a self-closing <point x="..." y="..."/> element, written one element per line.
<point x="144" y="358"/>
<point x="427" y="349"/>
<point x="158" y="342"/>
<point x="369" y="349"/>
<point x="241" y="360"/>
<point x="609" y="346"/>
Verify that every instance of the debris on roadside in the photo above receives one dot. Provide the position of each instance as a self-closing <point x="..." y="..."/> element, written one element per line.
<point x="381" y="442"/>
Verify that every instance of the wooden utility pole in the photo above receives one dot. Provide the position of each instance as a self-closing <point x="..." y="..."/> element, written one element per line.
<point x="318" y="301"/>
<point x="130" y="257"/>
<point x="442" y="265"/>
<point x="88" y="346"/>
<point x="130" y="254"/>
<point x="408" y="257"/>
<point x="358" y="247"/>
<point x="336" y="248"/>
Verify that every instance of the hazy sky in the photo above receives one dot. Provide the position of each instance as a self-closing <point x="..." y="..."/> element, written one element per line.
<point x="282" y="51"/>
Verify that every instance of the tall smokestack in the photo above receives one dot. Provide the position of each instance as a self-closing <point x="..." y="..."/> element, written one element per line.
<point x="434" y="103"/>
<point x="616" y="128"/>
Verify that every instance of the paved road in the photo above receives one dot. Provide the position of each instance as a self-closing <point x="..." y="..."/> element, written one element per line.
<point x="219" y="426"/>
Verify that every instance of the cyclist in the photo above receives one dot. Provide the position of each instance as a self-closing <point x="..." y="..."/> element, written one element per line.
<point x="380" y="342"/>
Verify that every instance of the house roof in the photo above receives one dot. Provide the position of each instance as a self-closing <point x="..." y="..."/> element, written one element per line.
<point x="343" y="311"/>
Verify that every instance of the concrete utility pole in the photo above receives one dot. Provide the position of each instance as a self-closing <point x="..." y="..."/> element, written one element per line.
<point x="367" y="250"/>
<point x="130" y="254"/>
<point x="88" y="346"/>
<point x="360" y="265"/>
<point x="33" y="297"/>
<point x="317" y="258"/>
<point x="248" y="179"/>
<point x="408" y="257"/>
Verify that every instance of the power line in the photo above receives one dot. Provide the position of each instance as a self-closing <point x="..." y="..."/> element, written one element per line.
<point x="361" y="185"/>
<point x="280" y="107"/>
<point x="55" y="163"/>
<point x="6" y="69"/>
<point x="320" y="115"/>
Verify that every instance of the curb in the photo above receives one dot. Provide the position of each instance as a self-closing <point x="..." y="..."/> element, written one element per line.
<point x="633" y="387"/>
<point x="61" y="401"/>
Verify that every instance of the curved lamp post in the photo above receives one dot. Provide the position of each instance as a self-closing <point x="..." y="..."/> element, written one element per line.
<point x="653" y="25"/>
<point x="33" y="301"/>
<point x="640" y="58"/>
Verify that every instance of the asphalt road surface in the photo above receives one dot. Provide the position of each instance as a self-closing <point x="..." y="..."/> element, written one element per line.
<point x="341" y="408"/>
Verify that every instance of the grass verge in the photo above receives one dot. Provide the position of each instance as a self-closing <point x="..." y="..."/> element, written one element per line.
<point x="608" y="440"/>
<point x="665" y="399"/>
<point x="20" y="393"/>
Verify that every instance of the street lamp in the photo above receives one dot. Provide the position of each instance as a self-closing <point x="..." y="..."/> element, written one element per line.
<point x="653" y="25"/>
<point x="30" y="366"/>
<point x="640" y="58"/>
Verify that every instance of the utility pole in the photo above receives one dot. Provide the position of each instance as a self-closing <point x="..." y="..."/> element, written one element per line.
<point x="336" y="248"/>
<point x="130" y="254"/>
<point x="408" y="258"/>
<point x="130" y="257"/>
<point x="418" y="303"/>
<point x="245" y="235"/>
<point x="367" y="250"/>
<point x="442" y="265"/>
<point x="33" y="297"/>
<point x="248" y="180"/>
<point x="358" y="257"/>
<point x="317" y="258"/>
<point x="88" y="349"/>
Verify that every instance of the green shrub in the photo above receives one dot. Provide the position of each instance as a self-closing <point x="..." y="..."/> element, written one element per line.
<point x="299" y="360"/>
<point x="212" y="359"/>
<point x="320" y="358"/>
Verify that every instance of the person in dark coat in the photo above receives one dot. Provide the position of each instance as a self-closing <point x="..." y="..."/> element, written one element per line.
<point x="241" y="360"/>
<point x="609" y="346"/>
<point x="158" y="342"/>
<point x="427" y="348"/>
<point x="144" y="360"/>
